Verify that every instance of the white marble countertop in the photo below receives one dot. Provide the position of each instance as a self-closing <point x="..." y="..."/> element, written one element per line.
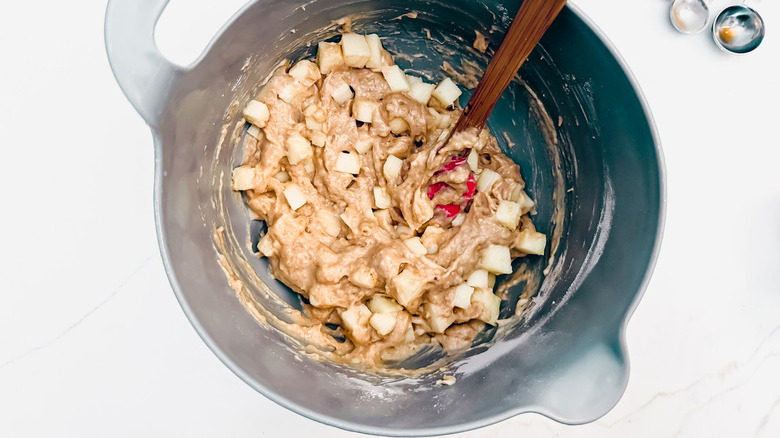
<point x="93" y="342"/>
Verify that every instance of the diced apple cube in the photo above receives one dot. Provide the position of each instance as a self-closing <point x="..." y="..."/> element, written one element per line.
<point x="363" y="144"/>
<point x="355" y="49"/>
<point x="382" y="198"/>
<point x="364" y="276"/>
<point x="398" y="126"/>
<point x="413" y="80"/>
<point x="384" y="219"/>
<point x="508" y="214"/>
<point x="486" y="180"/>
<point x="478" y="278"/>
<point x="256" y="113"/>
<point x="329" y="57"/>
<point x="282" y="177"/>
<point x="491" y="305"/>
<point x="342" y="94"/>
<point x="403" y="231"/>
<point x="298" y="148"/>
<point x="308" y="165"/>
<point x="355" y="317"/>
<point x="526" y="203"/>
<point x="374" y="61"/>
<point x="446" y="92"/>
<point x="473" y="160"/>
<point x="444" y="121"/>
<point x="459" y="219"/>
<point x="266" y="246"/>
<point x="396" y="78"/>
<point x="318" y="138"/>
<point x="255" y="132"/>
<point x="363" y="110"/>
<point x="383" y="304"/>
<point x="348" y="162"/>
<point x="436" y="115"/>
<point x="463" y="295"/>
<point x="415" y="245"/>
<point x="407" y="287"/>
<point x="294" y="195"/>
<point x="383" y="323"/>
<point x="409" y="335"/>
<point x="289" y="92"/>
<point x="305" y="72"/>
<point x="531" y="242"/>
<point x="243" y="178"/>
<point x="330" y="222"/>
<point x="392" y="168"/>
<point x="313" y="124"/>
<point x="421" y="92"/>
<point x="438" y="321"/>
<point x="433" y="248"/>
<point x="496" y="259"/>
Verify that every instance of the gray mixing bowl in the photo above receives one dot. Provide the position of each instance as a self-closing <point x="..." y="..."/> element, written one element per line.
<point x="594" y="165"/>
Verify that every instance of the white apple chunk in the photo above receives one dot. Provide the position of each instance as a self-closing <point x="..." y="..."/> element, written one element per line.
<point x="446" y="92"/>
<point x="355" y="317"/>
<point x="312" y="124"/>
<point x="438" y="321"/>
<point x="282" y="177"/>
<point x="364" y="276"/>
<point x="392" y="167"/>
<point x="266" y="246"/>
<point x="473" y="160"/>
<point x="355" y="50"/>
<point x="382" y="198"/>
<point x="486" y="180"/>
<point x="363" y="144"/>
<point x="396" y="78"/>
<point x="289" y="92"/>
<point x="413" y="80"/>
<point x="308" y="166"/>
<point x="363" y="110"/>
<point x="329" y="57"/>
<point x="404" y="231"/>
<point x="305" y="72"/>
<point x="374" y="61"/>
<point x="330" y="222"/>
<point x="491" y="305"/>
<point x="255" y="132"/>
<point x="243" y="178"/>
<point x="459" y="219"/>
<point x="383" y="304"/>
<point x="318" y="138"/>
<point x="496" y="259"/>
<point x="256" y="113"/>
<point x="508" y="214"/>
<point x="298" y="148"/>
<point x="519" y="196"/>
<point x="398" y="126"/>
<point x="407" y="287"/>
<point x="531" y="242"/>
<point x="415" y="246"/>
<point x="342" y="94"/>
<point x="294" y="195"/>
<point x="383" y="323"/>
<point x="478" y="278"/>
<point x="348" y="162"/>
<point x="444" y="121"/>
<point x="409" y="336"/>
<point x="421" y="92"/>
<point x="463" y="296"/>
<point x="436" y="116"/>
<point x="384" y="219"/>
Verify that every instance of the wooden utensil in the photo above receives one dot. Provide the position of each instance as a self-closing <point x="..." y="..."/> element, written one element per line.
<point x="528" y="27"/>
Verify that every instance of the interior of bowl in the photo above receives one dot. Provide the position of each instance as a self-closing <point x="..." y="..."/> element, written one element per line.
<point x="574" y="123"/>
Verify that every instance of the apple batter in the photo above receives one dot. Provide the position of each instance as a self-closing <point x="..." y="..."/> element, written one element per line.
<point x="390" y="237"/>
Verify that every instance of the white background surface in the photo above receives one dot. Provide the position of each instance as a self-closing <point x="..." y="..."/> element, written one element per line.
<point x="93" y="342"/>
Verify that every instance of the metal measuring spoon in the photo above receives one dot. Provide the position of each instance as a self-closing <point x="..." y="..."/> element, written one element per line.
<point x="689" y="16"/>
<point x="738" y="29"/>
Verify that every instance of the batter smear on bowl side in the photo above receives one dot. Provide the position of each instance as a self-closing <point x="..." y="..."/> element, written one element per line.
<point x="391" y="238"/>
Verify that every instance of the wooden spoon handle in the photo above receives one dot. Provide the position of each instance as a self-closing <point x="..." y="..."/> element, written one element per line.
<point x="530" y="23"/>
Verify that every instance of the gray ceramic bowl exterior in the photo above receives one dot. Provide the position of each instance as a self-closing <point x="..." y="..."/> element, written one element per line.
<point x="567" y="359"/>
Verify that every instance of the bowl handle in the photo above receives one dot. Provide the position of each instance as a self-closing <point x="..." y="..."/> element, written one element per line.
<point x="145" y="76"/>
